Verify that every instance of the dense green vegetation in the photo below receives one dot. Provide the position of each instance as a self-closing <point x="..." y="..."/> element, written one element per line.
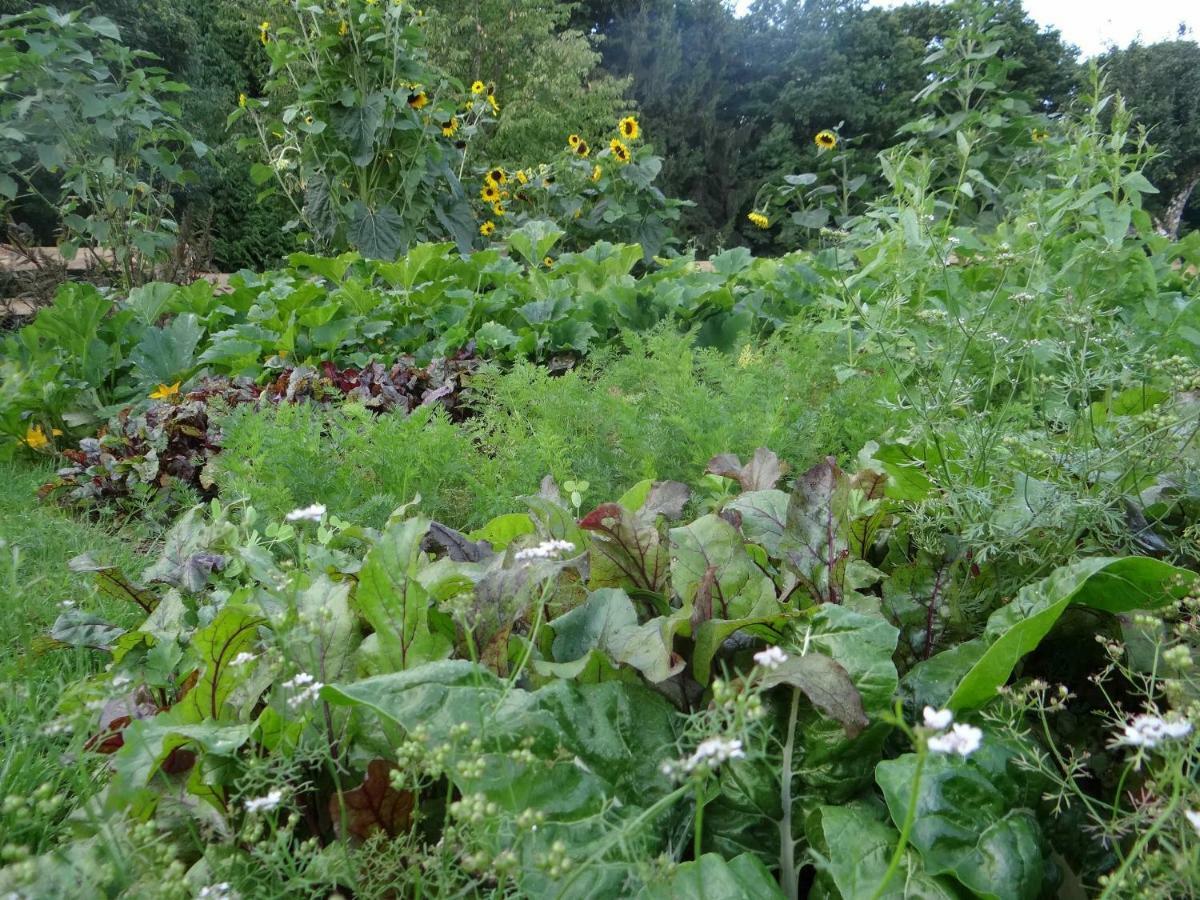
<point x="478" y="540"/>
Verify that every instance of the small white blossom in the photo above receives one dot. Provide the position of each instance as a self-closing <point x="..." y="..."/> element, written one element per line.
<point x="1149" y="731"/>
<point x="265" y="804"/>
<point x="242" y="658"/>
<point x="714" y="751"/>
<point x="301" y="680"/>
<point x="66" y="604"/>
<point x="961" y="739"/>
<point x="1193" y="816"/>
<point x="119" y="681"/>
<point x="771" y="658"/>
<point x="938" y="719"/>
<point x="313" y="513"/>
<point x="545" y="550"/>
<point x="220" y="891"/>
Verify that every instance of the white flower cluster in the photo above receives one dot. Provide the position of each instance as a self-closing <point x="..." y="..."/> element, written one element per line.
<point x="222" y="890"/>
<point x="307" y="687"/>
<point x="265" y="804"/>
<point x="1193" y="816"/>
<point x="961" y="739"/>
<point x="709" y="755"/>
<point x="241" y="659"/>
<point x="313" y="513"/>
<point x="545" y="550"/>
<point x="771" y="658"/>
<point x="1150" y="731"/>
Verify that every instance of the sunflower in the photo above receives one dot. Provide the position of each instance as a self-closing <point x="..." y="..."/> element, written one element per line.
<point x="522" y="177"/>
<point x="495" y="106"/>
<point x="308" y="120"/>
<point x="498" y="209"/>
<point x="477" y="87"/>
<point x="418" y="100"/>
<point x="1039" y="135"/>
<point x="263" y="28"/>
<point x="629" y="128"/>
<point x="496" y="176"/>
<point x="547" y="262"/>
<point x="619" y="150"/>
<point x="448" y="128"/>
<point x="242" y="100"/>
<point x="573" y="141"/>
<point x="490" y="193"/>
<point x="759" y="220"/>
<point x="596" y="173"/>
<point x="487" y="228"/>
<point x="582" y="149"/>
<point x="826" y="139"/>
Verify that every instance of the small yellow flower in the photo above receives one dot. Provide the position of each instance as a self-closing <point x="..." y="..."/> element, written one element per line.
<point x="629" y="128"/>
<point x="547" y="262"/>
<point x="498" y="209"/>
<point x="573" y="141"/>
<point x="165" y="392"/>
<point x="522" y="177"/>
<point x="596" y="173"/>
<point x="496" y="176"/>
<point x="308" y="120"/>
<point x="477" y="87"/>
<point x="759" y="220"/>
<point x="619" y="150"/>
<point x="495" y="105"/>
<point x="242" y="100"/>
<point x="487" y="228"/>
<point x="263" y="27"/>
<point x="582" y="149"/>
<point x="1039" y="135"/>
<point x="490" y="193"/>
<point x="35" y="438"/>
<point x="449" y="128"/>
<point x="826" y="139"/>
<point x="343" y="29"/>
<point x="418" y="100"/>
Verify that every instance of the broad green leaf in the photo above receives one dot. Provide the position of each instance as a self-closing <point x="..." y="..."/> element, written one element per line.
<point x="827" y="686"/>
<point x="607" y="621"/>
<point x="744" y="877"/>
<point x="710" y="566"/>
<point x="392" y="600"/>
<point x="234" y="630"/>
<point x="166" y="355"/>
<point x="79" y="628"/>
<point x="855" y="846"/>
<point x="968" y="675"/>
<point x="966" y="825"/>
<point x="534" y="240"/>
<point x="503" y="530"/>
<point x="377" y="233"/>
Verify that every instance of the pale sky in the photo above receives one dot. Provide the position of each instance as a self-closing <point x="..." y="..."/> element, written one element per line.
<point x="1094" y="24"/>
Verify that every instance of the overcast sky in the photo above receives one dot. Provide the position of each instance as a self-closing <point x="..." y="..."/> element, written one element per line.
<point x="1094" y="24"/>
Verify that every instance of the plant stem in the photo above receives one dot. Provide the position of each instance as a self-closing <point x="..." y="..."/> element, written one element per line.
<point x="787" y="846"/>
<point x="698" y="826"/>
<point x="909" y="818"/>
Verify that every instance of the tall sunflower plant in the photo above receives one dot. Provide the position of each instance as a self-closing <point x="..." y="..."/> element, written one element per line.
<point x="593" y="190"/>
<point x="366" y="137"/>
<point x="823" y="199"/>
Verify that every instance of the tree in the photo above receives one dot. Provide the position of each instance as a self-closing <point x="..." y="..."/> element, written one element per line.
<point x="1162" y="84"/>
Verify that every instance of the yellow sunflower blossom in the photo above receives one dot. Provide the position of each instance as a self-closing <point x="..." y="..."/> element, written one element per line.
<point x="165" y="392"/>
<point x="630" y="130"/>
<point x="449" y="128"/>
<point x="619" y="150"/>
<point x="418" y="100"/>
<point x="496" y="176"/>
<point x="498" y="209"/>
<point x="826" y="139"/>
<point x="242" y="100"/>
<point x="596" y="173"/>
<point x="547" y="262"/>
<point x="308" y="120"/>
<point x="759" y="220"/>
<point x="490" y="193"/>
<point x="573" y="141"/>
<point x="477" y="87"/>
<point x="35" y="438"/>
<point x="263" y="28"/>
<point x="487" y="228"/>
<point x="582" y="149"/>
<point x="522" y="177"/>
<point x="1039" y="134"/>
<point x="495" y="105"/>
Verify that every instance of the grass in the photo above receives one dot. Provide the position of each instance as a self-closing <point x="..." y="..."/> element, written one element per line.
<point x="37" y="771"/>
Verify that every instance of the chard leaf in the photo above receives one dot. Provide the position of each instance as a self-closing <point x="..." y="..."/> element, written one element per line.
<point x="607" y="621"/>
<point x="744" y="877"/>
